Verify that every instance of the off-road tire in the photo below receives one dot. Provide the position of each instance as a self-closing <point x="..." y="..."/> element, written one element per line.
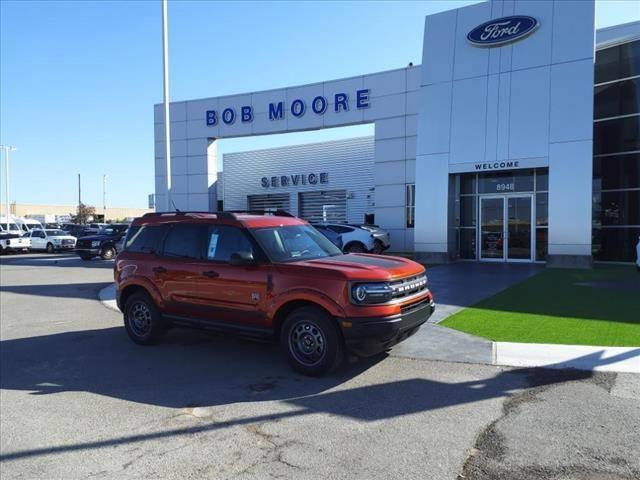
<point x="142" y="319"/>
<point x="355" y="247"/>
<point x="314" y="325"/>
<point x="108" y="252"/>
<point x="50" y="248"/>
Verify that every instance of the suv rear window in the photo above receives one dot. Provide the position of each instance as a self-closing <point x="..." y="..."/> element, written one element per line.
<point x="144" y="239"/>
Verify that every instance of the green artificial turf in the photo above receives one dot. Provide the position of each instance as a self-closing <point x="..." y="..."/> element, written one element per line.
<point x="552" y="307"/>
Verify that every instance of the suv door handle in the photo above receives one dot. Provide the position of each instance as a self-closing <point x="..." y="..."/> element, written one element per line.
<point x="211" y="274"/>
<point x="159" y="269"/>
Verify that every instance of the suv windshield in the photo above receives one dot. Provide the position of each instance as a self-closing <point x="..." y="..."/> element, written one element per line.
<point x="297" y="242"/>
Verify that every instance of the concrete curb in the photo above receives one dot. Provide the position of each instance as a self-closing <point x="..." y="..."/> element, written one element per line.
<point x="107" y="297"/>
<point x="580" y="357"/>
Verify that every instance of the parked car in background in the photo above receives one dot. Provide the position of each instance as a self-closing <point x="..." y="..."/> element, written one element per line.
<point x="356" y="238"/>
<point x="52" y="225"/>
<point x="13" y="242"/>
<point x="76" y="230"/>
<point x="271" y="277"/>
<point x="27" y="224"/>
<point x="103" y="244"/>
<point x="51" y="240"/>
<point x="10" y="227"/>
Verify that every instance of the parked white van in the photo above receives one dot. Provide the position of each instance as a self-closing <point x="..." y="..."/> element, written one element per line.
<point x="27" y="224"/>
<point x="11" y="228"/>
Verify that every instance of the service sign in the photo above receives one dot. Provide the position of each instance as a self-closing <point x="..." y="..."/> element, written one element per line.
<point x="501" y="31"/>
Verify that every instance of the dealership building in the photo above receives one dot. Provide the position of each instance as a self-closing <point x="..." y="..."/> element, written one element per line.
<point x="516" y="140"/>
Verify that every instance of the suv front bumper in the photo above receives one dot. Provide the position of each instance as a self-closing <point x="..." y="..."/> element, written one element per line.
<point x="370" y="335"/>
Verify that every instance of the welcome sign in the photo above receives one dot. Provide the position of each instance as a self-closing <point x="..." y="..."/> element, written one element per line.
<point x="501" y="31"/>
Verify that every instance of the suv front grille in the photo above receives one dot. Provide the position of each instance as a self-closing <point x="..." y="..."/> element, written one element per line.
<point x="83" y="244"/>
<point x="408" y="286"/>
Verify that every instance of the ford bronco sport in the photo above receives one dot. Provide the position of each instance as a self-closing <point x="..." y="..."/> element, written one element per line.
<point x="270" y="276"/>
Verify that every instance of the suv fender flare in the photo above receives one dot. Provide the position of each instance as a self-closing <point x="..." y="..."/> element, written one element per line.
<point x="307" y="295"/>
<point x="139" y="283"/>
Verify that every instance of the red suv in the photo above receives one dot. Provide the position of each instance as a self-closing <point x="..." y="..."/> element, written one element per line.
<point x="270" y="276"/>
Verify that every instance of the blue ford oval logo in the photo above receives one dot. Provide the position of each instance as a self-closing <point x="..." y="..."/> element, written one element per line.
<point x="502" y="31"/>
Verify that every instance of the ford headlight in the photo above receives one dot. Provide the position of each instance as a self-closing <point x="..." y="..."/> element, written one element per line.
<point x="371" y="293"/>
<point x="95" y="243"/>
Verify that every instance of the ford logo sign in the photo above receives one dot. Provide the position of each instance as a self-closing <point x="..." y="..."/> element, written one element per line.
<point x="501" y="31"/>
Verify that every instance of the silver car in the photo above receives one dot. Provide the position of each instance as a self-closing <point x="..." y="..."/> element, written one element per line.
<point x="356" y="238"/>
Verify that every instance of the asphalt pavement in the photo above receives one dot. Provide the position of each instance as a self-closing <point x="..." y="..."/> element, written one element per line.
<point x="79" y="400"/>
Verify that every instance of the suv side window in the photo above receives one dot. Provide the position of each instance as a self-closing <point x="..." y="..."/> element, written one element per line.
<point x="144" y="239"/>
<point x="340" y="229"/>
<point x="224" y="240"/>
<point x="184" y="240"/>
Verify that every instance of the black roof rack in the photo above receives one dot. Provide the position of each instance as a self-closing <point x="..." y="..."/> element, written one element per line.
<point x="229" y="214"/>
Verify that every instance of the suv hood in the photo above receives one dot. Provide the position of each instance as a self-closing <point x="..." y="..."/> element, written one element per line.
<point x="364" y="266"/>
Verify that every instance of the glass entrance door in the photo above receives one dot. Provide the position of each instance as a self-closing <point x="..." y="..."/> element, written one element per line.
<point x="492" y="228"/>
<point x="519" y="228"/>
<point x="506" y="232"/>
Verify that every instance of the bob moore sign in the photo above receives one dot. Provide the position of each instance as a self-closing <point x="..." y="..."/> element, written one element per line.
<point x="297" y="108"/>
<point x="501" y="31"/>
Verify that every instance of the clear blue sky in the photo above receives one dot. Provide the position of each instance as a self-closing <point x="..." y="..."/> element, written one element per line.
<point x="78" y="80"/>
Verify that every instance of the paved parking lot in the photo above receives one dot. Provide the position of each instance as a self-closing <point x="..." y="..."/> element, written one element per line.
<point x="79" y="400"/>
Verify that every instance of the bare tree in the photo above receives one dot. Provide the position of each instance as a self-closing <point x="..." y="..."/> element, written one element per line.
<point x="83" y="213"/>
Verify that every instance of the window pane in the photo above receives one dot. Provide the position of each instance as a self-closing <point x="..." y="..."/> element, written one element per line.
<point x="341" y="229"/>
<point x="542" y="241"/>
<point x="617" y="208"/>
<point x="144" y="239"/>
<point x="467" y="243"/>
<point x="223" y="241"/>
<point x="615" y="99"/>
<point x="615" y="244"/>
<point x="411" y="195"/>
<point x="505" y="182"/>
<point x="616" y="136"/>
<point x="542" y="209"/>
<point x="621" y="61"/>
<point x="468" y="184"/>
<point x="542" y="179"/>
<point x="467" y="211"/>
<point x="410" y="217"/>
<point x="615" y="172"/>
<point x="184" y="241"/>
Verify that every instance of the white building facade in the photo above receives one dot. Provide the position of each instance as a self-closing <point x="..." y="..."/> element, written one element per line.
<point x="484" y="152"/>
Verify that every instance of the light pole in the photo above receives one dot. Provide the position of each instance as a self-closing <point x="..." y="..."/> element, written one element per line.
<point x="7" y="149"/>
<point x="167" y="124"/>
<point x="104" y="198"/>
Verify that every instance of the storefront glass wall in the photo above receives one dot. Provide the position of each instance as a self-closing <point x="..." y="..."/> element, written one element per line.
<point x="504" y="213"/>
<point x="616" y="149"/>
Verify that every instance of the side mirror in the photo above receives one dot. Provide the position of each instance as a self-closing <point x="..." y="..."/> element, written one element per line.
<point x="240" y="259"/>
<point x="339" y="243"/>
